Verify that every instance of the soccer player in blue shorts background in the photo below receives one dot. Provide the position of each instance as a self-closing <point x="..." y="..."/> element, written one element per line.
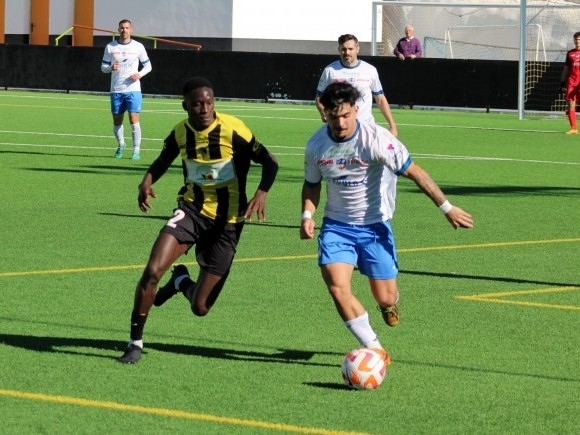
<point x="360" y="163"/>
<point x="122" y="59"/>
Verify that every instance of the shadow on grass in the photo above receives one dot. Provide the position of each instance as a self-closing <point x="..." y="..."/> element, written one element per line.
<point x="486" y="278"/>
<point x="83" y="346"/>
<point x="253" y="223"/>
<point x="499" y="190"/>
<point x="330" y="386"/>
<point x="106" y="170"/>
<point x="94" y="347"/>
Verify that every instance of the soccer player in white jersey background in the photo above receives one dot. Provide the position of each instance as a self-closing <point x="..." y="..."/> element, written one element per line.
<point x="122" y="59"/>
<point x="360" y="163"/>
<point x="362" y="75"/>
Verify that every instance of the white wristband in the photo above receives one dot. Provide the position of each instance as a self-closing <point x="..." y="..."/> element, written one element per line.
<point x="445" y="207"/>
<point x="306" y="215"/>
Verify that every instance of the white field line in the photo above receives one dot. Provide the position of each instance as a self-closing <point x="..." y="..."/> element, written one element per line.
<point x="299" y="151"/>
<point x="246" y="108"/>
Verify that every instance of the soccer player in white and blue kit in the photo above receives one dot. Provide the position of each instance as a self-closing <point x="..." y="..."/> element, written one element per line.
<point x="122" y="59"/>
<point x="360" y="163"/>
<point x="362" y="75"/>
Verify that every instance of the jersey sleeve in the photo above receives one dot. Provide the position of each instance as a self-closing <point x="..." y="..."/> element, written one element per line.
<point x="376" y="86"/>
<point x="391" y="151"/>
<point x="323" y="82"/>
<point x="312" y="174"/>
<point x="107" y="62"/>
<point x="145" y="61"/>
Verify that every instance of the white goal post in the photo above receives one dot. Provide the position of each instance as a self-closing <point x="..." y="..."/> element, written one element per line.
<point x="536" y="33"/>
<point x="495" y="42"/>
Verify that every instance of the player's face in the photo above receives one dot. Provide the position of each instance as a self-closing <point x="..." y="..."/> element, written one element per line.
<point x="342" y="121"/>
<point x="349" y="52"/>
<point x="125" y="30"/>
<point x="199" y="105"/>
<point x="577" y="43"/>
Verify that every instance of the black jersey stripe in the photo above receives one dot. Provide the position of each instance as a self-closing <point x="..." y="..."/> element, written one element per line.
<point x="214" y="145"/>
<point x="190" y="143"/>
<point x="223" y="202"/>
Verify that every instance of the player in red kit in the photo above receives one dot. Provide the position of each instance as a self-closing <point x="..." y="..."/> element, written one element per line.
<point x="571" y="82"/>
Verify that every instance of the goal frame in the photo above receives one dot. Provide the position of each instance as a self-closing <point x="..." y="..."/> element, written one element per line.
<point x="540" y="43"/>
<point x="522" y="8"/>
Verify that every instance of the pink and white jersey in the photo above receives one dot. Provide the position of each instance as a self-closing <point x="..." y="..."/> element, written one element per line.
<point x="363" y="76"/>
<point x="360" y="172"/>
<point x="129" y="55"/>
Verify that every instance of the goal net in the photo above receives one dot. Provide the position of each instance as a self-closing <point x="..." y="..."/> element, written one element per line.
<point x="495" y="42"/>
<point x="487" y="31"/>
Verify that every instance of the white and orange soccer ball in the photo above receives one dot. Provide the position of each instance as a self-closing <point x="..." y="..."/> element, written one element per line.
<point x="364" y="369"/>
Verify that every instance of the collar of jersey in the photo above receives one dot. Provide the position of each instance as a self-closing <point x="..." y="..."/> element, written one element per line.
<point x="328" y="132"/>
<point x="350" y="67"/>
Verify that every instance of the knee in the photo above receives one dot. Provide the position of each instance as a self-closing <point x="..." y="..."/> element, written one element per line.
<point x="388" y="298"/>
<point x="339" y="292"/>
<point x="199" y="310"/>
<point x="151" y="275"/>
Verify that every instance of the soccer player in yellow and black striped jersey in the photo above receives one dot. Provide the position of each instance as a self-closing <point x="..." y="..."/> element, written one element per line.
<point x="216" y="151"/>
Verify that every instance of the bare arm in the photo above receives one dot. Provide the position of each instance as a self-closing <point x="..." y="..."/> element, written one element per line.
<point x="385" y="109"/>
<point x="310" y="200"/>
<point x="456" y="216"/>
<point x="269" y="170"/>
<point x="155" y="171"/>
<point x="320" y="108"/>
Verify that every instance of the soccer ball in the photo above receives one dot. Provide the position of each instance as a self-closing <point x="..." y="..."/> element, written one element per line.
<point x="363" y="369"/>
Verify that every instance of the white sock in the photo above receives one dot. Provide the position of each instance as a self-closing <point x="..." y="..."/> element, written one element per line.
<point x="138" y="343"/>
<point x="136" y="134"/>
<point x="362" y="330"/>
<point x="118" y="132"/>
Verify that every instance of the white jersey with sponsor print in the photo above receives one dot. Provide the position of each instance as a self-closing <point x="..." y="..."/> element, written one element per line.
<point x="363" y="76"/>
<point x="129" y="55"/>
<point x="360" y="172"/>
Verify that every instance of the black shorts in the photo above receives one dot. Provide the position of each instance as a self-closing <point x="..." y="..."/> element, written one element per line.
<point x="215" y="241"/>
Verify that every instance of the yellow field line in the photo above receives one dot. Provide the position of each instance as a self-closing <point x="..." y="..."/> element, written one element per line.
<point x="498" y="298"/>
<point x="491" y="245"/>
<point x="172" y="413"/>
<point x="286" y="257"/>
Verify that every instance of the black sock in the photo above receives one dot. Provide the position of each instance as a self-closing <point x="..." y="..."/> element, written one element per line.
<point x="185" y="284"/>
<point x="137" y="325"/>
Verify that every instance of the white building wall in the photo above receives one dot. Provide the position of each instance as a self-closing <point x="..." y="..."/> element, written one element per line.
<point x="318" y="20"/>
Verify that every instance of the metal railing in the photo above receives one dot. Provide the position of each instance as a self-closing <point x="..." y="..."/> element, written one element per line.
<point x="114" y="33"/>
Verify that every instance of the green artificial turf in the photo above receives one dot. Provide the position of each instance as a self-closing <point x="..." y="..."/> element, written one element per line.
<point x="488" y="338"/>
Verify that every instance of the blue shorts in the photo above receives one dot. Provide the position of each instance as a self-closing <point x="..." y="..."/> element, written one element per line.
<point x="122" y="102"/>
<point x="370" y="248"/>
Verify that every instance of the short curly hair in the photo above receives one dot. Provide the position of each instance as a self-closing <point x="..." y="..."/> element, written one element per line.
<point x="339" y="93"/>
<point x="194" y="83"/>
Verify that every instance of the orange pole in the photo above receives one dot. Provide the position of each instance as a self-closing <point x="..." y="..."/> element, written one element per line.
<point x="2" y="21"/>
<point x="39" y="20"/>
<point x="84" y="16"/>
